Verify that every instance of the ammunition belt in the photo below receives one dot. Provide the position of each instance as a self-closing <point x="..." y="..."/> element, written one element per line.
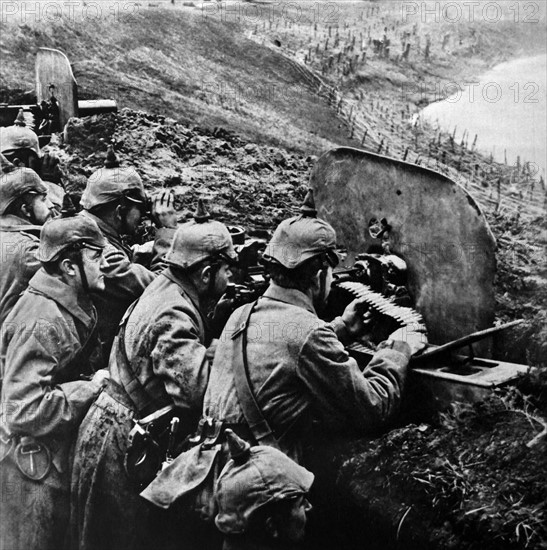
<point x="405" y="316"/>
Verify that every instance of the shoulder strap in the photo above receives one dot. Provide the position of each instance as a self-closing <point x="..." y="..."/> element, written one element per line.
<point x="143" y="398"/>
<point x="251" y="410"/>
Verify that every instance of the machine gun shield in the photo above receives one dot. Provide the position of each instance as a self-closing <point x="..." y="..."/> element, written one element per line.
<point x="426" y="219"/>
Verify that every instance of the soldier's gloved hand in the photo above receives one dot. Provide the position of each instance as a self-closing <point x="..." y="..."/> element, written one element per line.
<point x="101" y="377"/>
<point x="224" y="308"/>
<point x="163" y="212"/>
<point x="354" y="318"/>
<point x="51" y="171"/>
<point x="415" y="337"/>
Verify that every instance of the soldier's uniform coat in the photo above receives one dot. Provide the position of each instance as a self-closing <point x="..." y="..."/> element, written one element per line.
<point x="300" y="372"/>
<point x="18" y="263"/>
<point x="43" y="396"/>
<point x="166" y="345"/>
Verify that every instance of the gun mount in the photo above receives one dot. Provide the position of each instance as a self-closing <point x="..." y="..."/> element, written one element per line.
<point x="418" y="250"/>
<point x="57" y="97"/>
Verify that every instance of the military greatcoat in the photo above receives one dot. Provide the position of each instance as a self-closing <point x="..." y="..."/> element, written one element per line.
<point x="44" y="398"/>
<point x="166" y="343"/>
<point x="18" y="261"/>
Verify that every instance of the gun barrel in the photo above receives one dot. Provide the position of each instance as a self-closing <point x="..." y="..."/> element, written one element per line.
<point x="434" y="351"/>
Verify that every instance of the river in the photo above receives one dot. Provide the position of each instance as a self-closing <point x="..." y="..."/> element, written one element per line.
<point x="506" y="108"/>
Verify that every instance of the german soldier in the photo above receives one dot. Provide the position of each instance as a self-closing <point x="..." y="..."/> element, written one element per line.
<point x="161" y="357"/>
<point x="115" y="199"/>
<point x="45" y="341"/>
<point x="262" y="498"/>
<point x="24" y="208"/>
<point x="299" y="371"/>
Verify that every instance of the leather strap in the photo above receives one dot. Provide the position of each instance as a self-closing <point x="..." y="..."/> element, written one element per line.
<point x="145" y="400"/>
<point x="252" y="412"/>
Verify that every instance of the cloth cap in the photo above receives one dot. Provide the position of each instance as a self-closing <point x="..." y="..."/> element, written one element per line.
<point x="16" y="182"/>
<point x="112" y="182"/>
<point x="300" y="238"/>
<point x="268" y="475"/>
<point x="61" y="233"/>
<point x="194" y="242"/>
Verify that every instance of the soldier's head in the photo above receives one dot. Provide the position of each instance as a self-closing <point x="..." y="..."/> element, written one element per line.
<point x="202" y="250"/>
<point x="71" y="248"/>
<point x="116" y="195"/>
<point x="301" y="253"/>
<point x="261" y="492"/>
<point x="19" y="142"/>
<point x="23" y="194"/>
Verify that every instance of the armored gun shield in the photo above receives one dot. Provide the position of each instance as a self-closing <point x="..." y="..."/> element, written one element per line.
<point x="54" y="78"/>
<point x="430" y="221"/>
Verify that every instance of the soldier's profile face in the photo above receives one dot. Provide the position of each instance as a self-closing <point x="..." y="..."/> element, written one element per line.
<point x="41" y="209"/>
<point x="93" y="263"/>
<point x="223" y="277"/>
<point x="295" y="527"/>
<point x="132" y="218"/>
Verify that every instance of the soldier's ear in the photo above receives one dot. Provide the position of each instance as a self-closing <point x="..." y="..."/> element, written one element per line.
<point x="68" y="267"/>
<point x="205" y="274"/>
<point x="119" y="213"/>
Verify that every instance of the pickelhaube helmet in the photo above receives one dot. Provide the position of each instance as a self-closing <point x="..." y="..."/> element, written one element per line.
<point x="301" y="238"/>
<point x="199" y="240"/>
<point x="112" y="182"/>
<point x="252" y="478"/>
<point x="16" y="182"/>
<point x="18" y="136"/>
<point x="66" y="232"/>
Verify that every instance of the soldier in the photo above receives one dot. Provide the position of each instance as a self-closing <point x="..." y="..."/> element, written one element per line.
<point x="21" y="143"/>
<point x="45" y="342"/>
<point x="298" y="370"/>
<point x="24" y="208"/>
<point x="161" y="356"/>
<point x="262" y="498"/>
<point x="115" y="199"/>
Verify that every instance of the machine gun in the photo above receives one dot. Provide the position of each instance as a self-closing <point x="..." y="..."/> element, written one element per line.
<point x="250" y="277"/>
<point x="418" y="251"/>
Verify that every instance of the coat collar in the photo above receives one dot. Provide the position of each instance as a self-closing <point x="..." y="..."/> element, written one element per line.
<point x="109" y="232"/>
<point x="289" y="296"/>
<point x="9" y="222"/>
<point x="185" y="285"/>
<point x="58" y="291"/>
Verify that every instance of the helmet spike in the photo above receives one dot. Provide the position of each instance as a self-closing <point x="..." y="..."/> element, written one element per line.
<point x="201" y="215"/>
<point x="68" y="208"/>
<point x="20" y="119"/>
<point x="239" y="448"/>
<point x="308" y="206"/>
<point x="111" y="160"/>
<point x="5" y="165"/>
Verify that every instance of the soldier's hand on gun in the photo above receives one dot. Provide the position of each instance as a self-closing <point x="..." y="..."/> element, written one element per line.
<point x="356" y="318"/>
<point x="415" y="337"/>
<point x="163" y="212"/>
<point x="101" y="377"/>
<point x="224" y="308"/>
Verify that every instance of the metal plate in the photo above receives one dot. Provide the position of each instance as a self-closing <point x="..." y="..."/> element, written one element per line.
<point x="437" y="228"/>
<point x="53" y="67"/>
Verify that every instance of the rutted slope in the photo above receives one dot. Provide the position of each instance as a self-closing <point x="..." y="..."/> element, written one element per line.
<point x="177" y="62"/>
